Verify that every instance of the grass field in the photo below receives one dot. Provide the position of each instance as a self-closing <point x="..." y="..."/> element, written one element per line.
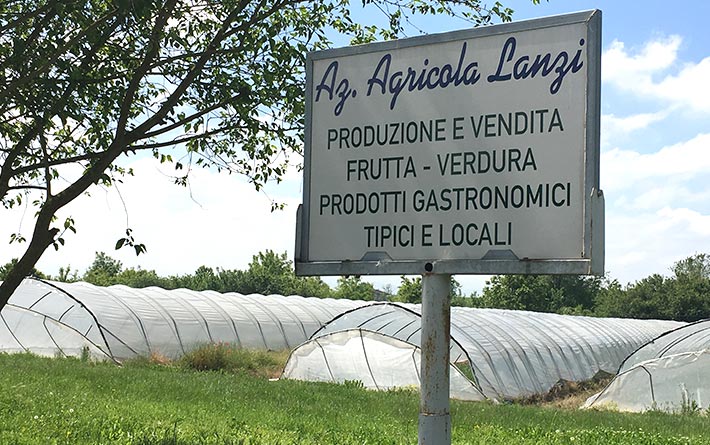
<point x="69" y="401"/>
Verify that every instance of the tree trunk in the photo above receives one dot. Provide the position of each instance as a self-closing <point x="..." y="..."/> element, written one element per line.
<point x="41" y="239"/>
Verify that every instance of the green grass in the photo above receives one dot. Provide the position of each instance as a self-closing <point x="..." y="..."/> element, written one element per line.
<point x="67" y="401"/>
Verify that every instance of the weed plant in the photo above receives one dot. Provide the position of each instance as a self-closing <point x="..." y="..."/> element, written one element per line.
<point x="226" y="357"/>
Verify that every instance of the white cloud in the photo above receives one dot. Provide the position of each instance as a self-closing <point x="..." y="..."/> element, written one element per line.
<point x="688" y="87"/>
<point x="655" y="72"/>
<point x="631" y="123"/>
<point x="613" y="127"/>
<point x="641" y="243"/>
<point x="680" y="162"/>
<point x="636" y="71"/>
<point x="667" y="194"/>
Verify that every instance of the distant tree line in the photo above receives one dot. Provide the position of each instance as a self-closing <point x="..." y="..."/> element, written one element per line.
<point x="684" y="296"/>
<point x="267" y="273"/>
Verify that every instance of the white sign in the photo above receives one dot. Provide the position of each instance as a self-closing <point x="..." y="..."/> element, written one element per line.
<point x="458" y="147"/>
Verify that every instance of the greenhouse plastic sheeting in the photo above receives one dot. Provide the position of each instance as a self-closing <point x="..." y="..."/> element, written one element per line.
<point x="673" y="383"/>
<point x="379" y="362"/>
<point x="24" y="330"/>
<point x="668" y="373"/>
<point x="119" y="322"/>
<point x="689" y="338"/>
<point x="514" y="354"/>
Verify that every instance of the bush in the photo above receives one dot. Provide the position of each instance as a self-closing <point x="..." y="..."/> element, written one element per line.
<point x="226" y="357"/>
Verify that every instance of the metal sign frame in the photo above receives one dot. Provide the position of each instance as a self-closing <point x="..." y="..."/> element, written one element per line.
<point x="590" y="260"/>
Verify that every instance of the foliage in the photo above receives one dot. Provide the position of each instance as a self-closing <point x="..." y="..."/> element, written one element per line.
<point x="140" y="278"/>
<point x="353" y="288"/>
<point x="610" y="299"/>
<point x="684" y="297"/>
<point x="542" y="293"/>
<point x="695" y="267"/>
<point x="272" y="273"/>
<point x="204" y="278"/>
<point x="465" y="301"/>
<point x="107" y="271"/>
<point x="268" y="273"/>
<point x="229" y="358"/>
<point x="410" y="291"/>
<point x="645" y="299"/>
<point x="689" y="299"/>
<point x="67" y="275"/>
<point x="65" y="401"/>
<point x="103" y="271"/>
<point x="5" y="270"/>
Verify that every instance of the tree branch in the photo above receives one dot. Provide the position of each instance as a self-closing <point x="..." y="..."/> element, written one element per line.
<point x="27" y="187"/>
<point x="196" y="69"/>
<point x="182" y="140"/>
<point x="6" y="170"/>
<point x="39" y="26"/>
<point x="50" y="62"/>
<point x="42" y="238"/>
<point x="57" y="162"/>
<point x="34" y="130"/>
<point x="25" y="17"/>
<point x="153" y="49"/>
<point x="163" y="130"/>
<point x="45" y="157"/>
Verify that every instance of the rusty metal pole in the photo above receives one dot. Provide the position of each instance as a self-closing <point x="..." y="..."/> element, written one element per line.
<point x="434" y="413"/>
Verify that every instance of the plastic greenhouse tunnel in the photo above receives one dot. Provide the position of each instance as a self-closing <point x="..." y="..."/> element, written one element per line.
<point x="506" y="354"/>
<point x="669" y="373"/>
<point x="118" y="322"/>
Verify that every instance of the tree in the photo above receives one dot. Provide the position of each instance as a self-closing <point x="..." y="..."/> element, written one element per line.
<point x="695" y="267"/>
<point x="410" y="291"/>
<point x="107" y="271"/>
<point x="568" y="294"/>
<point x="7" y="267"/>
<point x="140" y="278"/>
<point x="683" y="297"/>
<point x="85" y="84"/>
<point x="271" y="273"/>
<point x="204" y="278"/>
<point x="611" y="300"/>
<point x="690" y="299"/>
<point x="353" y="288"/>
<point x="104" y="264"/>
<point x="67" y="275"/>
<point x="644" y="299"/>
<point x="268" y="273"/>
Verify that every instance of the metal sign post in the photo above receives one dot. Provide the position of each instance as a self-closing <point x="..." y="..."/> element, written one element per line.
<point x="434" y="413"/>
<point x="468" y="152"/>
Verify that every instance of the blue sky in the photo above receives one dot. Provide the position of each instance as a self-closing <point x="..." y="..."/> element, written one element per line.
<point x="655" y="166"/>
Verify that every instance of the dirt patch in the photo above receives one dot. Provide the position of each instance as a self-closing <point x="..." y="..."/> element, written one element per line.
<point x="568" y="394"/>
